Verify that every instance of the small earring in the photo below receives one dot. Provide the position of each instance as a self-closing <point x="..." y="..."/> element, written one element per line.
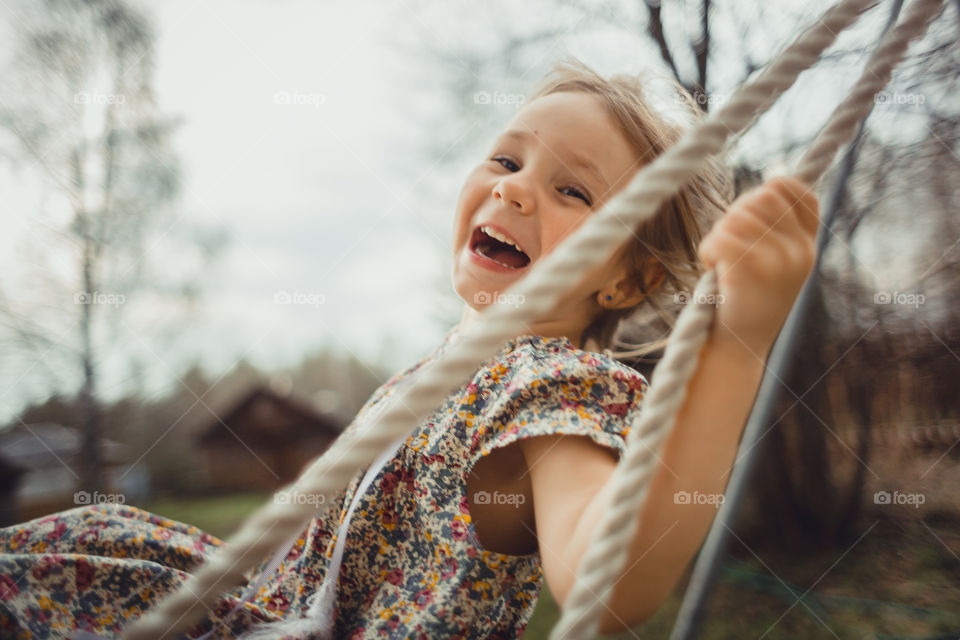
<point x="609" y="297"/>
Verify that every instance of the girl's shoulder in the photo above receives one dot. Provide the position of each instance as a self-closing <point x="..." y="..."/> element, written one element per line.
<point x="551" y="375"/>
<point x="538" y="385"/>
<point x="538" y="357"/>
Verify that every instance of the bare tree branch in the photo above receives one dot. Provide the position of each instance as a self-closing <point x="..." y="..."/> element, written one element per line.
<point x="655" y="29"/>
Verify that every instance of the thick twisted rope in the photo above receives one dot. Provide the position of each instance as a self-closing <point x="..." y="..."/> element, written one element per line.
<point x="588" y="246"/>
<point x="602" y="562"/>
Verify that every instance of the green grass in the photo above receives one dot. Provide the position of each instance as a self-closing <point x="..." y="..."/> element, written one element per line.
<point x="217" y="515"/>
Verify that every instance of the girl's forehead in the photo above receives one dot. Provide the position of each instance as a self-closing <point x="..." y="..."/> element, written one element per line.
<point x="563" y="109"/>
<point x="574" y="121"/>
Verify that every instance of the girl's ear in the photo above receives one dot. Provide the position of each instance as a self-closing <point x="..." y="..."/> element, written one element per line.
<point x="654" y="273"/>
<point x="624" y="291"/>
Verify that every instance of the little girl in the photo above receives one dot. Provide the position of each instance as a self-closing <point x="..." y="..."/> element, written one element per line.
<point x="502" y="487"/>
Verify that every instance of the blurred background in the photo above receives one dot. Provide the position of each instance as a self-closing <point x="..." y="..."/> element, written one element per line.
<point x="225" y="224"/>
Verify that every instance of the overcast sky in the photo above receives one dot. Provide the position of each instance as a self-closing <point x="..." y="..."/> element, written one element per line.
<point x="291" y="113"/>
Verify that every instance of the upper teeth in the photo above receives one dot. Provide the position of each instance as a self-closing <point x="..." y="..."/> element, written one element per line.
<point x="499" y="236"/>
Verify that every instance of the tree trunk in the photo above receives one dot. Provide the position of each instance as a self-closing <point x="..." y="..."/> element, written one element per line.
<point x="91" y="478"/>
<point x="860" y="389"/>
<point x="91" y="473"/>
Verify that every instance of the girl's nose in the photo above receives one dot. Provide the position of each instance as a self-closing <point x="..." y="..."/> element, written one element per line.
<point x="514" y="193"/>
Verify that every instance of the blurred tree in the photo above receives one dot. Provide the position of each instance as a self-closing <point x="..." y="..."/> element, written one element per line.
<point x="77" y="104"/>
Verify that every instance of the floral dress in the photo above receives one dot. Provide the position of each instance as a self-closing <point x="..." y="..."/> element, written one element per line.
<point x="412" y="567"/>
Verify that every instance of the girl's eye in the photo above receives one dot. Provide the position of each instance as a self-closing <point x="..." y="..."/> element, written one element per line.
<point x="576" y="193"/>
<point x="507" y="163"/>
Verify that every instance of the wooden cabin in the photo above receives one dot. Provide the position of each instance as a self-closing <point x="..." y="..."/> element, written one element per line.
<point x="263" y="440"/>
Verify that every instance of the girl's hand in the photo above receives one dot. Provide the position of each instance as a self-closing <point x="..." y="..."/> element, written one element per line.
<point x="763" y="248"/>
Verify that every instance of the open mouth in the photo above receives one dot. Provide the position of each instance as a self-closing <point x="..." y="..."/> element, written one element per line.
<point x="499" y="249"/>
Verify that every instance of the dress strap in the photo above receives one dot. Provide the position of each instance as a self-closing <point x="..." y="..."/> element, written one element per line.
<point x="321" y="602"/>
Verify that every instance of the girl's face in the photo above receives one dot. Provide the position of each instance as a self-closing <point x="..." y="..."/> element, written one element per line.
<point x="557" y="161"/>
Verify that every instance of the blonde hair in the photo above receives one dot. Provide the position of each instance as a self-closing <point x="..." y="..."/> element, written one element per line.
<point x="672" y="236"/>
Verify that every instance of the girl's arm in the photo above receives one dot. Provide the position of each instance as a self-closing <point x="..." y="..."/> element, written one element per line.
<point x="762" y="250"/>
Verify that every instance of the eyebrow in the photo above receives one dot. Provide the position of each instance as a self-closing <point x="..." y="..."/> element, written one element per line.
<point x="577" y="160"/>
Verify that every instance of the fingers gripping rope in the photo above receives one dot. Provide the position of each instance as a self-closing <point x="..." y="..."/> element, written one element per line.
<point x="589" y="245"/>
<point x="603" y="560"/>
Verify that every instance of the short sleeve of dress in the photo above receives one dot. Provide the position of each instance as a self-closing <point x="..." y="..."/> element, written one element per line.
<point x="545" y="386"/>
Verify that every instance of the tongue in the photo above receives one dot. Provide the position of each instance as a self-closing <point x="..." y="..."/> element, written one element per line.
<point x="507" y="256"/>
